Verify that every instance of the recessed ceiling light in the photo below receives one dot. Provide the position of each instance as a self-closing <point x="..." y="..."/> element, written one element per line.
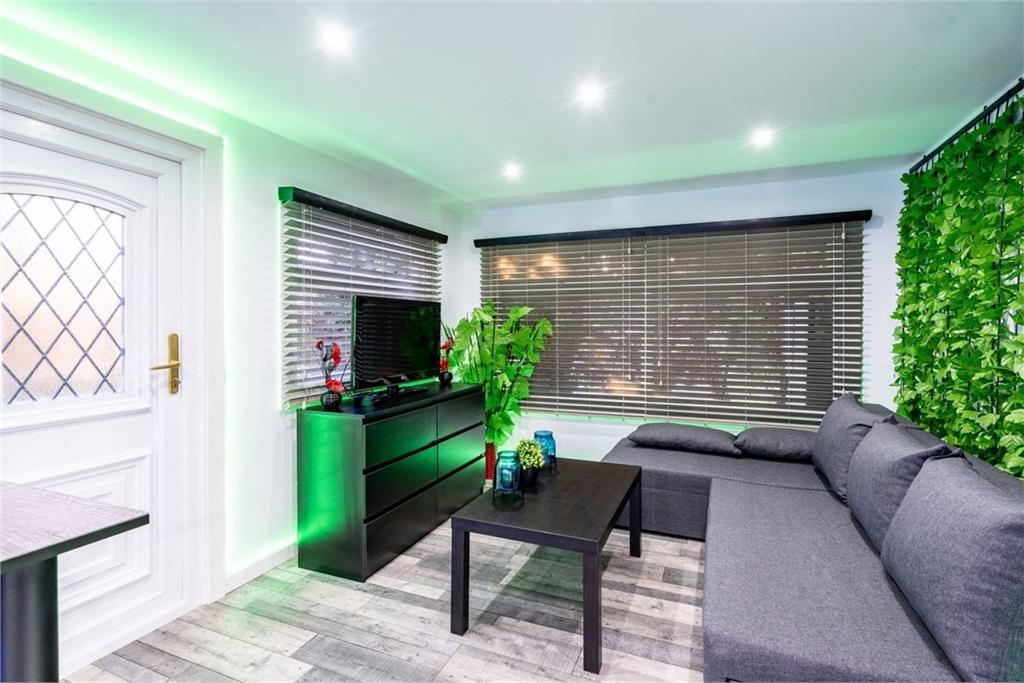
<point x="762" y="137"/>
<point x="335" y="40"/>
<point x="590" y="94"/>
<point x="512" y="170"/>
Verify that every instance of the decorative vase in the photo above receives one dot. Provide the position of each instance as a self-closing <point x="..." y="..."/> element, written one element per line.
<point x="445" y="378"/>
<point x="530" y="477"/>
<point x="547" y="449"/>
<point x="508" y="481"/>
<point x="330" y="400"/>
<point x="489" y="461"/>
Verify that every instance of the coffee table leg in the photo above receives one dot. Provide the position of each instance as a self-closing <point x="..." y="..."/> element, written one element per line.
<point x="28" y="611"/>
<point x="460" y="581"/>
<point x="635" y="519"/>
<point x="592" y="611"/>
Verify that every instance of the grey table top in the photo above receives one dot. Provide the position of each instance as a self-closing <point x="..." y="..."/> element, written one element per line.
<point x="37" y="524"/>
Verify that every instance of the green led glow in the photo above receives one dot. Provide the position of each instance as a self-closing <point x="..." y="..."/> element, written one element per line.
<point x="58" y="31"/>
<point x="23" y="43"/>
<point x="376" y="140"/>
<point x="320" y="468"/>
<point x="258" y="555"/>
<point x="100" y="88"/>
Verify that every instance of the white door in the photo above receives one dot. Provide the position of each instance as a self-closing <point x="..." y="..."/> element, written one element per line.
<point x="91" y="276"/>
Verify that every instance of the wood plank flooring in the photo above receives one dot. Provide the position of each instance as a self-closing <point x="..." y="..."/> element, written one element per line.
<point x="526" y="621"/>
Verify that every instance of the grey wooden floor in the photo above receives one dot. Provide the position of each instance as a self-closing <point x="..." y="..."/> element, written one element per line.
<point x="525" y="621"/>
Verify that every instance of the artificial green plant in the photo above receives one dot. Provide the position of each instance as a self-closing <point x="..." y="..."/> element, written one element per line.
<point x="500" y="355"/>
<point x="530" y="454"/>
<point x="959" y="351"/>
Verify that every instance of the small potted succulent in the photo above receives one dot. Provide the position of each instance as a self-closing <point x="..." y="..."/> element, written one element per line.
<point x="532" y="460"/>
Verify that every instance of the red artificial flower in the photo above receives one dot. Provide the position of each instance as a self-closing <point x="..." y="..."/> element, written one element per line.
<point x="335" y="386"/>
<point x="444" y="365"/>
<point x="447" y="345"/>
<point x="336" y="354"/>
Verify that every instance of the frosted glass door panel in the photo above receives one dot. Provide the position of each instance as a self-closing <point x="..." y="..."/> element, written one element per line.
<point x="63" y="299"/>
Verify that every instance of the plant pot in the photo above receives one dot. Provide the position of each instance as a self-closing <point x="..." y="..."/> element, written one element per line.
<point x="330" y="400"/>
<point x="489" y="456"/>
<point x="529" y="476"/>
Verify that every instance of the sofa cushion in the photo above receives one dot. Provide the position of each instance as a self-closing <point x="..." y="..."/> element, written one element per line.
<point x="776" y="443"/>
<point x="882" y="468"/>
<point x="684" y="470"/>
<point x="676" y="484"/>
<point x="792" y="591"/>
<point x="684" y="438"/>
<point x="843" y="426"/>
<point x="1011" y="486"/>
<point x="956" y="549"/>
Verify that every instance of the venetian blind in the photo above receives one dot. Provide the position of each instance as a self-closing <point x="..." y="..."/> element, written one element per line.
<point x="328" y="257"/>
<point x="760" y="325"/>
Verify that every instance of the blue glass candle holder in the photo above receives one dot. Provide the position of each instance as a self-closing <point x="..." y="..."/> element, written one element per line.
<point x="547" y="449"/>
<point x="508" y="477"/>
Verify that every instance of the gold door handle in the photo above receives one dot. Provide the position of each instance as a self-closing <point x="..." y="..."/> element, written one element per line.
<point x="173" y="364"/>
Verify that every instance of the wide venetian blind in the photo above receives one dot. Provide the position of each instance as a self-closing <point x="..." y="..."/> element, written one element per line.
<point x="328" y="257"/>
<point x="754" y="326"/>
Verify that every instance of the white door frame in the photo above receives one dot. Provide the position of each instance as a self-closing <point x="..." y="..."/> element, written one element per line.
<point x="200" y="156"/>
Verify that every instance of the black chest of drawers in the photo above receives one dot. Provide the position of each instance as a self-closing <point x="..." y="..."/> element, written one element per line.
<point x="372" y="482"/>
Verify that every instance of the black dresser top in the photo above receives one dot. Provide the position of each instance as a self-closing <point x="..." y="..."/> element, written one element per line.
<point x="431" y="395"/>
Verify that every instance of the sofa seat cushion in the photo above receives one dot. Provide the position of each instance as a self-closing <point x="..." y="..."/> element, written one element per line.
<point x="686" y="470"/>
<point x="793" y="591"/>
<point x="676" y="484"/>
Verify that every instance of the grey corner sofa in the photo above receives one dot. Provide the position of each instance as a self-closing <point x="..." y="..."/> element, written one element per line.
<point x="795" y="589"/>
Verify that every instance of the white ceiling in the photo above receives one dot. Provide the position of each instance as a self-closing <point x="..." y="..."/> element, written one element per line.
<point x="447" y="93"/>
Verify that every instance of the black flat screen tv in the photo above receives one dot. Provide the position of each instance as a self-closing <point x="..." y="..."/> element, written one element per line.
<point x="393" y="340"/>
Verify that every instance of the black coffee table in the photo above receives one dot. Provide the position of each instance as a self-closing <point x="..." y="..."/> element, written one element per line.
<point x="573" y="510"/>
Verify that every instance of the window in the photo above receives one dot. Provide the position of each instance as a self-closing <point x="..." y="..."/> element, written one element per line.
<point x="328" y="257"/>
<point x="735" y="325"/>
<point x="62" y="297"/>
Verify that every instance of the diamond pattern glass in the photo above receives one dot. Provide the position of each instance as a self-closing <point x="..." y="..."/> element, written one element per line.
<point x="62" y="298"/>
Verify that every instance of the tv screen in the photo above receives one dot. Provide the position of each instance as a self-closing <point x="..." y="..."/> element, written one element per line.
<point x="393" y="340"/>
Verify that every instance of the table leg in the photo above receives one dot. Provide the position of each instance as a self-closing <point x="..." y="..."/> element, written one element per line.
<point x="29" y="646"/>
<point x="460" y="581"/>
<point x="592" y="611"/>
<point x="635" y="520"/>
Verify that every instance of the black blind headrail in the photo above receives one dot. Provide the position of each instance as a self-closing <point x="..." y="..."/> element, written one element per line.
<point x="295" y="194"/>
<point x="862" y="216"/>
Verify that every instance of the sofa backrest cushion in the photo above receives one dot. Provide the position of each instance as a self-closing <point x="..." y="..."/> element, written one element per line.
<point x="777" y="443"/>
<point x="684" y="438"/>
<point x="882" y="468"/>
<point x="843" y="426"/>
<point x="879" y="409"/>
<point x="956" y="549"/>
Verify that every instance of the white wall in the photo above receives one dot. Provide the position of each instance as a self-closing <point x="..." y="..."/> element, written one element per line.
<point x="881" y="191"/>
<point x="252" y="480"/>
<point x="260" y="439"/>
